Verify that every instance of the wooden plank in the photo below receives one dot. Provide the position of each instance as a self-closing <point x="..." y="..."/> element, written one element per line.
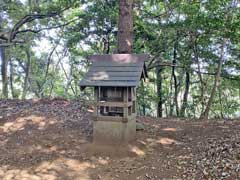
<point x="96" y="99"/>
<point x="95" y="78"/>
<point x="115" y="70"/>
<point x="115" y="104"/>
<point x="109" y="83"/>
<point x="125" y="100"/>
<point x="134" y="93"/>
<point x="110" y="118"/>
<point x="114" y="74"/>
<point x="132" y="98"/>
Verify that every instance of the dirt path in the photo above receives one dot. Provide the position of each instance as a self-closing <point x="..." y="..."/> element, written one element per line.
<point x="51" y="139"/>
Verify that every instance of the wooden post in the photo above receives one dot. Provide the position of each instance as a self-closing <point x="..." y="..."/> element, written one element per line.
<point x="132" y="93"/>
<point x="95" y="113"/>
<point x="134" y="104"/>
<point x="99" y="93"/>
<point x="135" y="98"/>
<point x="125" y="101"/>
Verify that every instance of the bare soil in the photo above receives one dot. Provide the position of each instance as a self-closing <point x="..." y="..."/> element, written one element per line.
<point x="51" y="139"/>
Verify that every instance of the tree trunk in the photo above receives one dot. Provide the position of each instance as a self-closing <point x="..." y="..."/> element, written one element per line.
<point x="220" y="101"/>
<point x="166" y="110"/>
<point x="143" y="105"/>
<point x="205" y="114"/>
<point x="125" y="27"/>
<point x="144" y="109"/>
<point x="26" y="74"/>
<point x="185" y="96"/>
<point x="175" y="78"/>
<point x="196" y="60"/>
<point x="4" y="64"/>
<point x="171" y="99"/>
<point x="106" y="44"/>
<point x="159" y="92"/>
<point x="4" y="72"/>
<point x="11" y="79"/>
<point x="49" y="59"/>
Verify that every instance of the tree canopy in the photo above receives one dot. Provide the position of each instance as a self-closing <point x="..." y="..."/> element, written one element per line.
<point x="194" y="69"/>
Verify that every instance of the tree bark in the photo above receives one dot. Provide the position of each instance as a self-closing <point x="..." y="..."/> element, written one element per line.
<point x="205" y="114"/>
<point x="4" y="64"/>
<point x="106" y="44"/>
<point x="196" y="60"/>
<point x="171" y="98"/>
<point x="159" y="92"/>
<point x="69" y="79"/>
<point x="175" y="78"/>
<point x="11" y="79"/>
<point x="185" y="96"/>
<point x="125" y="27"/>
<point x="4" y="72"/>
<point x="201" y="81"/>
<point x="220" y="101"/>
<point x="49" y="59"/>
<point x="26" y="74"/>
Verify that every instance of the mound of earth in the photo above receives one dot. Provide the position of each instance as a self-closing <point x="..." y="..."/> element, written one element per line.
<point x="51" y="139"/>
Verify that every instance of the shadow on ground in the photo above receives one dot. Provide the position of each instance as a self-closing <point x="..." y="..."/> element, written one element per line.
<point x="51" y="139"/>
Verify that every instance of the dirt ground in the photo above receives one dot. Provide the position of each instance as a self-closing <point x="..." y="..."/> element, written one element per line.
<point x="51" y="139"/>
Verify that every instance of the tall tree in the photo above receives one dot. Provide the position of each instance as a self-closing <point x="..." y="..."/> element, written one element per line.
<point x="125" y="27"/>
<point x="4" y="74"/>
<point x="181" y="37"/>
<point x="159" y="91"/>
<point x="4" y="63"/>
<point x="204" y="115"/>
<point x="27" y="69"/>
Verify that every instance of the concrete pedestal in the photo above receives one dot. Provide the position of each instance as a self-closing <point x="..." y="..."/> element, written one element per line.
<point x="110" y="132"/>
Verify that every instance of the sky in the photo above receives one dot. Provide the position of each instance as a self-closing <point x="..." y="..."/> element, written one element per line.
<point x="23" y="1"/>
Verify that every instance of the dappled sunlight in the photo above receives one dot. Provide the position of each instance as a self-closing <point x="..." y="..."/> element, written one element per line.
<point x="35" y="100"/>
<point x="126" y="58"/>
<point x="39" y="148"/>
<point x="102" y="75"/>
<point x="21" y="174"/>
<point x="137" y="151"/>
<point x="90" y="110"/>
<point x="49" y="170"/>
<point x="169" y="129"/>
<point x="149" y="140"/>
<point x="155" y="125"/>
<point x="102" y="161"/>
<point x="162" y="140"/>
<point x="141" y="142"/>
<point x="165" y="129"/>
<point x="20" y="122"/>
<point x="166" y="141"/>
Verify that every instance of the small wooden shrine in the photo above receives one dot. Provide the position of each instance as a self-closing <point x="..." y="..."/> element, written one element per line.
<point x="115" y="78"/>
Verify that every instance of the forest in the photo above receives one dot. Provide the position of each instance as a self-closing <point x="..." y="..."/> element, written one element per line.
<point x="194" y="48"/>
<point x="78" y="101"/>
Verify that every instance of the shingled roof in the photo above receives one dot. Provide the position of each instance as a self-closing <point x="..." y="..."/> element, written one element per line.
<point x="118" y="70"/>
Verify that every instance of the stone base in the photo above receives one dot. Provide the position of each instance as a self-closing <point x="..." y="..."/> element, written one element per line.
<point x="110" y="132"/>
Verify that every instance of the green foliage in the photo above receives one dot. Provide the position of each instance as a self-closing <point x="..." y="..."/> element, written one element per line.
<point x="185" y="34"/>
